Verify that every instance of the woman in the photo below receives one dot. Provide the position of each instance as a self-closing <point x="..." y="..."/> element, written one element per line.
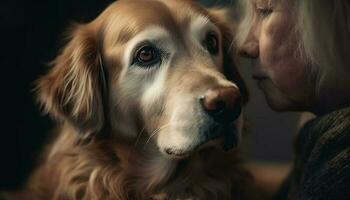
<point x="301" y="61"/>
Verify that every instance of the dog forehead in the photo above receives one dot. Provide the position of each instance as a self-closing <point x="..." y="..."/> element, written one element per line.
<point x="133" y="16"/>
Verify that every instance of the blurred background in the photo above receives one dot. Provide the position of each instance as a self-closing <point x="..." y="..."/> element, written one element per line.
<point x="31" y="35"/>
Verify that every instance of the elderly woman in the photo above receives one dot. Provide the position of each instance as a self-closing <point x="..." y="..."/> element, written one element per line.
<point x="301" y="61"/>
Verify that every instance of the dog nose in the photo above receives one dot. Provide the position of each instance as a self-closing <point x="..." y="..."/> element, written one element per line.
<point x="223" y="104"/>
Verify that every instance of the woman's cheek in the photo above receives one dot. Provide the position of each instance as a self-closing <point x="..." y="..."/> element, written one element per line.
<point x="290" y="78"/>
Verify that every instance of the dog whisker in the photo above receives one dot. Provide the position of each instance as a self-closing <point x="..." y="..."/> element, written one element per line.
<point x="156" y="131"/>
<point x="139" y="136"/>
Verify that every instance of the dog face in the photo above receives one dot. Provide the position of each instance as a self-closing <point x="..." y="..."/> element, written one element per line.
<point x="163" y="69"/>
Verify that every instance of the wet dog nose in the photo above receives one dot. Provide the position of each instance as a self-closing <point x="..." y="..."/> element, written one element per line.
<point x="223" y="104"/>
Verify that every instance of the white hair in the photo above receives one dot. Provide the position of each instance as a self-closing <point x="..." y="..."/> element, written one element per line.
<point x="325" y="32"/>
<point x="245" y="11"/>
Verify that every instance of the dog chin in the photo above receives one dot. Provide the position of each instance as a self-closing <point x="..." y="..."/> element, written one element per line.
<point x="186" y="153"/>
<point x="210" y="135"/>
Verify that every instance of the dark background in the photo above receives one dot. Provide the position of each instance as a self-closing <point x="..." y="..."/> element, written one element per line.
<point x="31" y="35"/>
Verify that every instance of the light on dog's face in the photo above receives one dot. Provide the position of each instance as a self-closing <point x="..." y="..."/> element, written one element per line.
<point x="188" y="124"/>
<point x="173" y="77"/>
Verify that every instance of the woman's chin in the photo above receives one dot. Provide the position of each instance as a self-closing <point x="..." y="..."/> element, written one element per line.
<point x="276" y="99"/>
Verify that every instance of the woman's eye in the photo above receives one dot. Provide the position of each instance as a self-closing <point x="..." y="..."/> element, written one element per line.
<point x="211" y="43"/>
<point x="264" y="12"/>
<point x="146" y="56"/>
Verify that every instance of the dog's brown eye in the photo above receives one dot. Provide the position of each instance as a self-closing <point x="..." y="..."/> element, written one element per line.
<point x="211" y="43"/>
<point x="146" y="56"/>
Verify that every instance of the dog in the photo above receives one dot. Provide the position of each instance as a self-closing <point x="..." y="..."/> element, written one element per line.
<point x="148" y="101"/>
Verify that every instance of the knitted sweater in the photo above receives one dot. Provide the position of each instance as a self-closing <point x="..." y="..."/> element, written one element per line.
<point x="322" y="160"/>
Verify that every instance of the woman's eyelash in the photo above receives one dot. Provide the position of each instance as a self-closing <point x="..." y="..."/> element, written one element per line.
<point x="264" y="12"/>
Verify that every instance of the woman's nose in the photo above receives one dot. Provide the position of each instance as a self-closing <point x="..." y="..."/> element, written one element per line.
<point x="249" y="49"/>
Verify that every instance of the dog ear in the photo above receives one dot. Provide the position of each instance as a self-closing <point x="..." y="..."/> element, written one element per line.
<point x="71" y="91"/>
<point x="225" y="20"/>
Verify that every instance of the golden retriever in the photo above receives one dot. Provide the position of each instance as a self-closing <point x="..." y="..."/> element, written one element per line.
<point x="147" y="100"/>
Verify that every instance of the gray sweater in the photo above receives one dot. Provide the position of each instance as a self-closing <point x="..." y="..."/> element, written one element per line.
<point x="322" y="160"/>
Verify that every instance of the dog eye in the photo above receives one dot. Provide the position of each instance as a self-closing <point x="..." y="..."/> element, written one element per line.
<point x="146" y="56"/>
<point x="211" y="43"/>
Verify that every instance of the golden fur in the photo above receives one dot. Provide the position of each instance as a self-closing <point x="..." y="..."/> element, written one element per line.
<point x="105" y="145"/>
